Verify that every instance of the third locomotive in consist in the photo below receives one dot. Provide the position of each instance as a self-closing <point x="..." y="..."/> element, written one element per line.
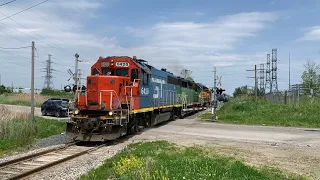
<point x="124" y="94"/>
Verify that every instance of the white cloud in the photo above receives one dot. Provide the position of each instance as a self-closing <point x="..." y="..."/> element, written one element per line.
<point x="190" y="43"/>
<point x="174" y="46"/>
<point x="311" y="34"/>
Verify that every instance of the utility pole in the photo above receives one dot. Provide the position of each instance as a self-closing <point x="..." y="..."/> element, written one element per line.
<point x="76" y="69"/>
<point x="0" y="79"/>
<point x="255" y="80"/>
<point x="261" y="77"/>
<point x="214" y="93"/>
<point x="289" y="73"/>
<point x="32" y="80"/>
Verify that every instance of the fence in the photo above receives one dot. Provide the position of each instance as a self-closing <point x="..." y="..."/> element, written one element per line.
<point x="287" y="97"/>
<point x="294" y="96"/>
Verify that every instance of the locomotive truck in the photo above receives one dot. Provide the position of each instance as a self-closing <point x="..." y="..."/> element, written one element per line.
<point x="125" y="94"/>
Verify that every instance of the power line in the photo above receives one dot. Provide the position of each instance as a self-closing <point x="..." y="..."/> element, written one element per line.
<point x="23" y="10"/>
<point x="35" y="33"/>
<point x="7" y="3"/>
<point x="15" y="47"/>
<point x="57" y="46"/>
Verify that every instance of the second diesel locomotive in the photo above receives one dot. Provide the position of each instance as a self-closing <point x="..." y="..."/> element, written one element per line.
<point x="124" y="94"/>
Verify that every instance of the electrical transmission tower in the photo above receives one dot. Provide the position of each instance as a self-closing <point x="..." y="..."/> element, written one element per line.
<point x="274" y="78"/>
<point x="268" y="76"/>
<point x="261" y="77"/>
<point x="48" y="82"/>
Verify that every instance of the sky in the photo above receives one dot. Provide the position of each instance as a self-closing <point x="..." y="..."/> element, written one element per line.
<point x="199" y="35"/>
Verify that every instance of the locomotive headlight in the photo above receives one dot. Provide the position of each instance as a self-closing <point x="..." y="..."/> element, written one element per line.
<point x="76" y="111"/>
<point x="110" y="113"/>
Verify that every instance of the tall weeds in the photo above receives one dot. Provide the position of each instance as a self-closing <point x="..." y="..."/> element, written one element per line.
<point x="26" y="98"/>
<point x="15" y="125"/>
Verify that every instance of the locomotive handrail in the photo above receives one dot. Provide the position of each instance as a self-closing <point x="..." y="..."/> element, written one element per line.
<point x="111" y="93"/>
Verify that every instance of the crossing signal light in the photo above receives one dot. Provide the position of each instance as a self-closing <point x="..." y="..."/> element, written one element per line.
<point x="219" y="91"/>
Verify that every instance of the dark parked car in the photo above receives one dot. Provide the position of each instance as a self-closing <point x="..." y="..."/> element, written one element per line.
<point x="56" y="107"/>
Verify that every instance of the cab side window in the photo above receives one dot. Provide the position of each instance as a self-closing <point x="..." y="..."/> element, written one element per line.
<point x="145" y="78"/>
<point x="134" y="74"/>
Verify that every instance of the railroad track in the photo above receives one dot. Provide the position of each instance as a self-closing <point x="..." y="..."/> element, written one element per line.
<point x="28" y="165"/>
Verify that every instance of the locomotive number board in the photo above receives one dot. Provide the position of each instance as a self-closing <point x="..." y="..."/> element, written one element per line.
<point x="105" y="64"/>
<point x="122" y="64"/>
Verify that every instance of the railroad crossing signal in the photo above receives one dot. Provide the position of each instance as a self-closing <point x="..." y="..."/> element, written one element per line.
<point x="71" y="75"/>
<point x="219" y="81"/>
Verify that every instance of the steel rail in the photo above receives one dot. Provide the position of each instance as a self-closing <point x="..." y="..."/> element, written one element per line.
<point x="45" y="166"/>
<point x="24" y="158"/>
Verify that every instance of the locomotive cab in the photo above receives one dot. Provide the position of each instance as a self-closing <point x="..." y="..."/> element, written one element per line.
<point x="104" y="107"/>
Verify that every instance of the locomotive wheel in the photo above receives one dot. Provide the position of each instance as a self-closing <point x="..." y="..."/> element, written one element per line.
<point x="180" y="114"/>
<point x="148" y="121"/>
<point x="133" y="126"/>
<point x="173" y="118"/>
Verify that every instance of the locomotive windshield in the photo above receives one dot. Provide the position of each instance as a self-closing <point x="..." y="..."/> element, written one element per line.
<point x="119" y="72"/>
<point x="107" y="71"/>
<point x="122" y="72"/>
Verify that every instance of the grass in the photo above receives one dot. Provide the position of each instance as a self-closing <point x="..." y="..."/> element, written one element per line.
<point x="162" y="160"/>
<point x="206" y="116"/>
<point x="249" y="110"/>
<point x="25" y="99"/>
<point x="18" y="132"/>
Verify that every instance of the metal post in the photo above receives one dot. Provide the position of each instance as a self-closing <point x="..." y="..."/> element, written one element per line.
<point x="285" y="97"/>
<point x="214" y="93"/>
<point x="289" y="72"/>
<point x="76" y="69"/>
<point x="76" y="76"/>
<point x="298" y="94"/>
<point x="32" y="80"/>
<point x="255" y="81"/>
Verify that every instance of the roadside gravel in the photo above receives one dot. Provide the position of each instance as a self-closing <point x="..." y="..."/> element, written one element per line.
<point x="52" y="140"/>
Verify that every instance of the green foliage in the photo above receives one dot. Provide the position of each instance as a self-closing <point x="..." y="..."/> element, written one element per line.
<point x="239" y="91"/>
<point x="4" y="89"/>
<point x="251" y="110"/>
<point x="190" y="78"/>
<point x="206" y="116"/>
<point x="311" y="77"/>
<point x="55" y="93"/>
<point x="162" y="160"/>
<point x="23" y="133"/>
